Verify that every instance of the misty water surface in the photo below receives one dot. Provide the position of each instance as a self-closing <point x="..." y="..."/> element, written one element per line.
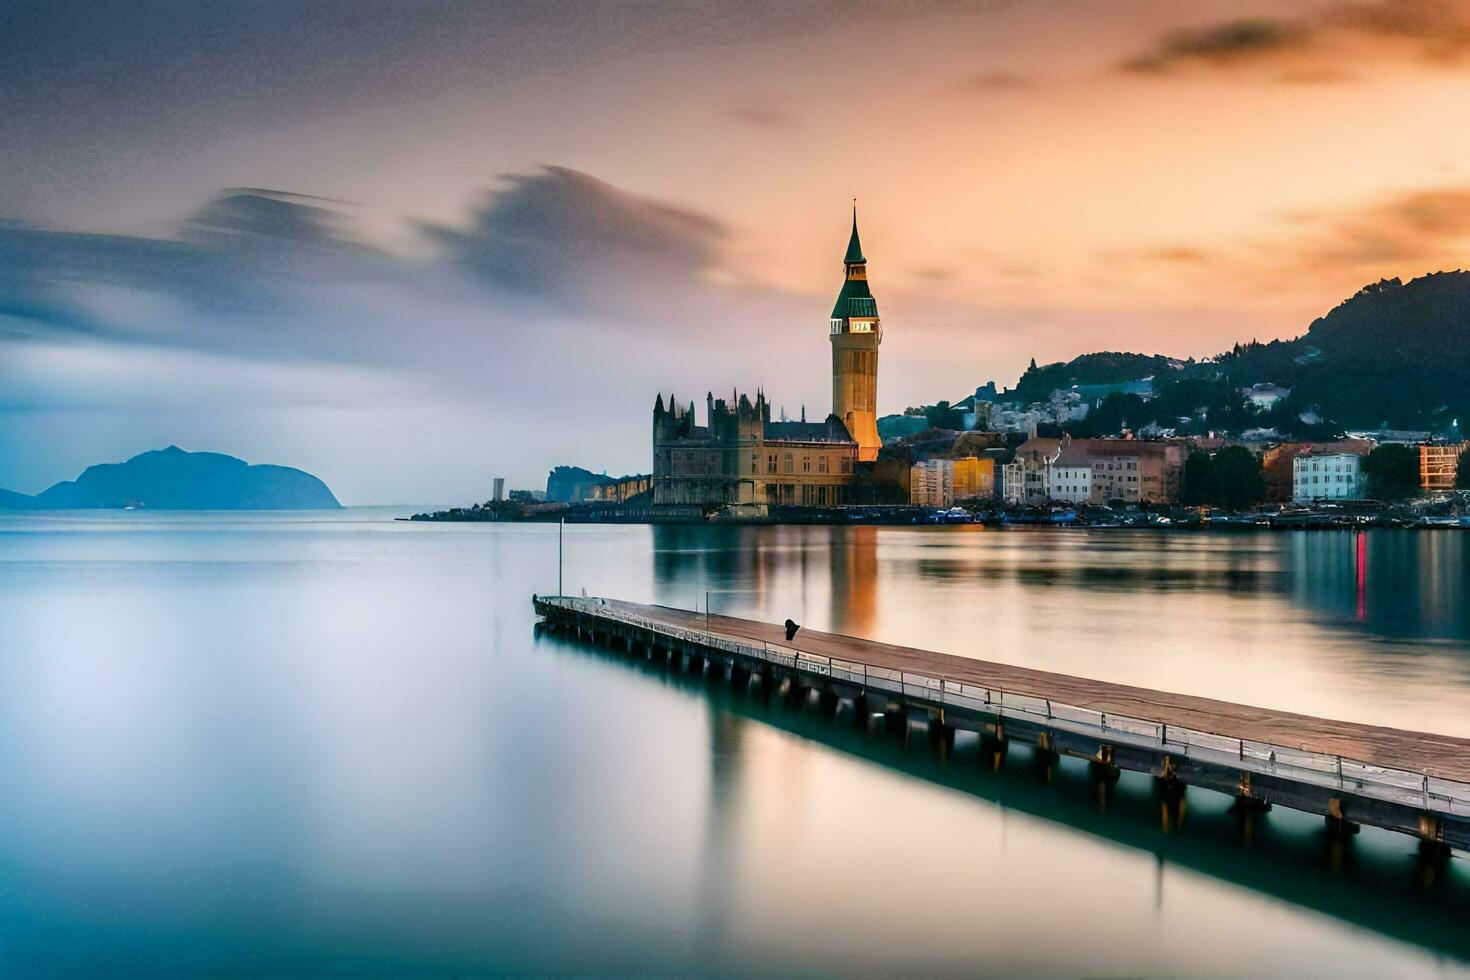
<point x="299" y="743"/>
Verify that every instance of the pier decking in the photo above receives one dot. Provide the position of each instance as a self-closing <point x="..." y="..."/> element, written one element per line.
<point x="1411" y="782"/>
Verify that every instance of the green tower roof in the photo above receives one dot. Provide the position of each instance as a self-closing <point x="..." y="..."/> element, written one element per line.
<point x="854" y="254"/>
<point x="854" y="299"/>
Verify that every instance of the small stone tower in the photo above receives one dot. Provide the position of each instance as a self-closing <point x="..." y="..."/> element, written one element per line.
<point x="856" y="334"/>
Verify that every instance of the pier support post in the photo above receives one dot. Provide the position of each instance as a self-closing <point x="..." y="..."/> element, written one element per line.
<point x="1104" y="775"/>
<point x="1246" y="808"/>
<point x="827" y="703"/>
<point x="1434" y="853"/>
<point x="1339" y="827"/>
<point x="993" y="745"/>
<point x="940" y="733"/>
<point x="1045" y="757"/>
<point x="1169" y="791"/>
<point x="895" y="719"/>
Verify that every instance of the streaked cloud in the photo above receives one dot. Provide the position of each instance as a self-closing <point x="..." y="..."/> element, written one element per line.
<point x="1406" y="234"/>
<point x="995" y="80"/>
<point x="1328" y="47"/>
<point x="762" y="112"/>
<point x="1227" y="43"/>
<point x="572" y="238"/>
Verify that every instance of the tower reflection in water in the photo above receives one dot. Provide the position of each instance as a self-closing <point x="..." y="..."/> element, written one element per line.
<point x="1164" y="610"/>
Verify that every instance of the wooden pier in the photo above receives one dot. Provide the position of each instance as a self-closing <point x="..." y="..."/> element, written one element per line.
<point x="1415" y="783"/>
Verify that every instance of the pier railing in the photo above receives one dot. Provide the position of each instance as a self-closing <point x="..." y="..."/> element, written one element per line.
<point x="1430" y="793"/>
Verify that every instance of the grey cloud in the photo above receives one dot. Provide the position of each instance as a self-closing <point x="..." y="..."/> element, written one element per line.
<point x="249" y="216"/>
<point x="996" y="81"/>
<point x="1320" y="49"/>
<point x="573" y="238"/>
<point x="1220" y="44"/>
<point x="762" y="113"/>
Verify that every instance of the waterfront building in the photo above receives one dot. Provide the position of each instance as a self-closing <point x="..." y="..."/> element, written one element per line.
<point x="974" y="477"/>
<point x="1438" y="465"/>
<point x="856" y="332"/>
<point x="1318" y="475"/>
<point x="1127" y="470"/>
<point x="1070" y="477"/>
<point x="742" y="461"/>
<point x="1278" y="463"/>
<point x="1132" y="470"/>
<point x="1012" y="489"/>
<point x="1035" y="455"/>
<point x="931" y="483"/>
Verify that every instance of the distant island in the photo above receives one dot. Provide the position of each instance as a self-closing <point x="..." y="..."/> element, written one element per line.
<point x="172" y="479"/>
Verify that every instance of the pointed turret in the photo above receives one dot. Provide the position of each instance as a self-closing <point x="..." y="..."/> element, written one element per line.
<point x="854" y="254"/>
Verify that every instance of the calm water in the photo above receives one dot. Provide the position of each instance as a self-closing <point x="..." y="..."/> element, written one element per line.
<point x="292" y="744"/>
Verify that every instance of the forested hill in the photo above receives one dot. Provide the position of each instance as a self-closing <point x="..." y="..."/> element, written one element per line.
<point x="1395" y="353"/>
<point x="1105" y="367"/>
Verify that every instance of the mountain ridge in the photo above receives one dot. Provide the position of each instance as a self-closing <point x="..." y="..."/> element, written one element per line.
<point x="172" y="479"/>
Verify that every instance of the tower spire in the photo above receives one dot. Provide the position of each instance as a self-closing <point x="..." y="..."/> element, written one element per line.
<point x="854" y="254"/>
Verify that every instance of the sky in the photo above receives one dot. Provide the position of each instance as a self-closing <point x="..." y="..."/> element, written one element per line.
<point x="412" y="246"/>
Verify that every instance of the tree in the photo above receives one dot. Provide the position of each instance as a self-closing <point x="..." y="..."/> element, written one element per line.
<point x="1462" y="471"/>
<point x="1197" y="483"/>
<point x="942" y="416"/>
<point x="1237" y="479"/>
<point x="1392" y="472"/>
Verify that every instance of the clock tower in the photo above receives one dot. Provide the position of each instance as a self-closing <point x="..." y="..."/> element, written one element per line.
<point x="856" y="333"/>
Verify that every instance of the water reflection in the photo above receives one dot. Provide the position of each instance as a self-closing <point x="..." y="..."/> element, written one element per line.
<point x="287" y="746"/>
<point x="1374" y="881"/>
<point x="1393" y="584"/>
<point x="1313" y="622"/>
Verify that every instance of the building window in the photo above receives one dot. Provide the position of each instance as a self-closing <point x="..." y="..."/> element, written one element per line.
<point x="806" y="464"/>
<point x="771" y="463"/>
<point x="788" y="464"/>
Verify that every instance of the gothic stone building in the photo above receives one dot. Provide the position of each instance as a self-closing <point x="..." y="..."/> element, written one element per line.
<point x="740" y="461"/>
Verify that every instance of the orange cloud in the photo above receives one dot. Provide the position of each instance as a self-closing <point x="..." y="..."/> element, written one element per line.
<point x="1319" y="49"/>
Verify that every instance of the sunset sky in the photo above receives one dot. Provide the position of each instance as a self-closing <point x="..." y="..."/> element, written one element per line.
<point x="495" y="231"/>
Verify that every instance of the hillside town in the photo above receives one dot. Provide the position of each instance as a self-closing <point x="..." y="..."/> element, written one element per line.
<point x="1106" y="438"/>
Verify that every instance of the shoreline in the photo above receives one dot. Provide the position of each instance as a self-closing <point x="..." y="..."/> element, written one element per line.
<point x="1066" y="520"/>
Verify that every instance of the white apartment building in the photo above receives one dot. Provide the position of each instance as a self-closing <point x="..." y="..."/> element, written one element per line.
<point x="1013" y="483"/>
<point x="1326" y="476"/>
<point x="1071" y="481"/>
<point x="931" y="483"/>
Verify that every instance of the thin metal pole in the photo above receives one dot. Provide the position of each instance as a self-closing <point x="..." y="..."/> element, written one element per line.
<point x="706" y="610"/>
<point x="561" y="522"/>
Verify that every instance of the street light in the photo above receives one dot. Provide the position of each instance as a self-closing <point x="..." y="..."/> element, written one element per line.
<point x="561" y="522"/>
